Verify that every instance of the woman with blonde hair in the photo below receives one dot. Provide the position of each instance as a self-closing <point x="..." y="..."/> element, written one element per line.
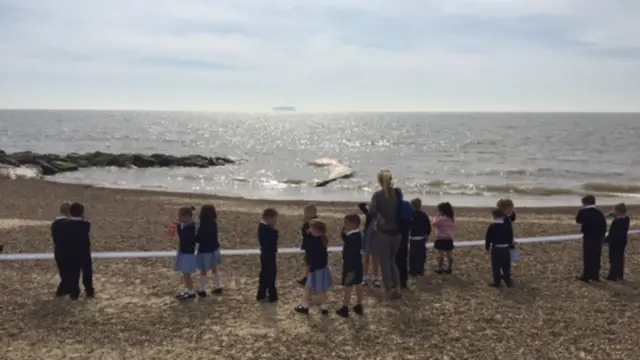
<point x="385" y="207"/>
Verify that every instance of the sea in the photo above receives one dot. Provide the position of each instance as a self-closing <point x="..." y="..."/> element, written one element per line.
<point x="470" y="159"/>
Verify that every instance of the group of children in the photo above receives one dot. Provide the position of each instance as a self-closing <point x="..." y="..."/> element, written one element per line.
<point x="199" y="249"/>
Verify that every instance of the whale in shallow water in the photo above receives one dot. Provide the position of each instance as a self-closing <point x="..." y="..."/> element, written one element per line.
<point x="337" y="170"/>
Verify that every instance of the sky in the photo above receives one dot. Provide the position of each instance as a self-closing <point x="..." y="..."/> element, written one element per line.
<point x="321" y="55"/>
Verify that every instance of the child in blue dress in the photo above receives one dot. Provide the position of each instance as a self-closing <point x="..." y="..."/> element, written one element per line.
<point x="186" y="257"/>
<point x="319" y="279"/>
<point x="208" y="258"/>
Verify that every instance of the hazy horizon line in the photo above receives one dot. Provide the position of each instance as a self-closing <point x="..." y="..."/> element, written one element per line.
<point x="333" y="111"/>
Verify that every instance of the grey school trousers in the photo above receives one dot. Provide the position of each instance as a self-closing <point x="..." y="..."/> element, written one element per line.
<point x="387" y="249"/>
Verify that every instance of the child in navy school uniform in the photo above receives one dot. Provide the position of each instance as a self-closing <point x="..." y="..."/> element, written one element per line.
<point x="617" y="240"/>
<point x="76" y="252"/>
<point x="310" y="213"/>
<point x="319" y="279"/>
<point x="593" y="226"/>
<point x="420" y="231"/>
<point x="352" y="271"/>
<point x="208" y="258"/>
<point x="186" y="262"/>
<point x="268" y="238"/>
<point x="498" y="241"/>
<point x="57" y="236"/>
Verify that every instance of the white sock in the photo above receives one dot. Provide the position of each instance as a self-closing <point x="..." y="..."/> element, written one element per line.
<point x="216" y="278"/>
<point x="305" y="305"/>
<point x="203" y="283"/>
<point x="188" y="291"/>
<point x="324" y="306"/>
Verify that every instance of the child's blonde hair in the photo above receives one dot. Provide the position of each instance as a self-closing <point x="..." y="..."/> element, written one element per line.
<point x="65" y="208"/>
<point x="310" y="212"/>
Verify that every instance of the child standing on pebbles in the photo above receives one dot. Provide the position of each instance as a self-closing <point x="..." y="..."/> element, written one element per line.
<point x="352" y="272"/>
<point x="445" y="231"/>
<point x="268" y="239"/>
<point x="319" y="279"/>
<point x="617" y="240"/>
<point x="186" y="258"/>
<point x="208" y="258"/>
<point x="57" y="236"/>
<point x="310" y="213"/>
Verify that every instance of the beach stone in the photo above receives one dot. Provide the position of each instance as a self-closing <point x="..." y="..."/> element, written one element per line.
<point x="63" y="166"/>
<point x="141" y="161"/>
<point x="7" y="160"/>
<point x="99" y="159"/>
<point x="24" y="158"/>
<point x="47" y="169"/>
<point x="164" y="160"/>
<point x="192" y="161"/>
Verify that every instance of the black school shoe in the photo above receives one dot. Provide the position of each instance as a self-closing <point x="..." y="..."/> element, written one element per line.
<point x="202" y="293"/>
<point x="186" y="296"/>
<point x="90" y="293"/>
<point x="358" y="309"/>
<point x="343" y="311"/>
<point x="301" y="310"/>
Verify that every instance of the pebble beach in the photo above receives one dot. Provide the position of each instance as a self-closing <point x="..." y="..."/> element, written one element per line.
<point x="135" y="316"/>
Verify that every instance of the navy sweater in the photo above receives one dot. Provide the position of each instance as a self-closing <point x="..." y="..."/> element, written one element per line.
<point x="304" y="231"/>
<point x="57" y="233"/>
<point x="420" y="226"/>
<point x="351" y="258"/>
<point x="498" y="233"/>
<point x="207" y="237"/>
<point x="593" y="224"/>
<point x="268" y="238"/>
<point x="73" y="239"/>
<point x="317" y="255"/>
<point x="618" y="232"/>
<point x="187" y="237"/>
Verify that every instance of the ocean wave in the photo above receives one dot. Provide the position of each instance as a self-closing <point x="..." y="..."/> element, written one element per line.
<point x="21" y="172"/>
<point x="543" y="172"/>
<point x="612" y="188"/>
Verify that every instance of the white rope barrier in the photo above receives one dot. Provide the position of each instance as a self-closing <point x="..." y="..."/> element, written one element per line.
<point x="232" y="252"/>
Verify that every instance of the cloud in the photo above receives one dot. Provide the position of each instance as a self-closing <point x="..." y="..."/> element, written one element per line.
<point x="321" y="55"/>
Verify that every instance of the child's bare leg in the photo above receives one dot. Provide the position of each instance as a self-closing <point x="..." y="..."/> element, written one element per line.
<point x="347" y="295"/>
<point x="449" y="261"/>
<point x="323" y="300"/>
<point x="203" y="280"/>
<point x="365" y="261"/>
<point x="306" y="298"/>
<point x="440" y="260"/>
<point x="188" y="281"/>
<point x="216" y="277"/>
<point x="359" y="294"/>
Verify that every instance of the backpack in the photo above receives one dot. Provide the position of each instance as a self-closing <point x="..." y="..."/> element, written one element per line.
<point x="405" y="212"/>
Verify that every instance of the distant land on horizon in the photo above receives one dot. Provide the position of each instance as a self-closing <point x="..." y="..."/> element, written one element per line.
<point x="283" y="108"/>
